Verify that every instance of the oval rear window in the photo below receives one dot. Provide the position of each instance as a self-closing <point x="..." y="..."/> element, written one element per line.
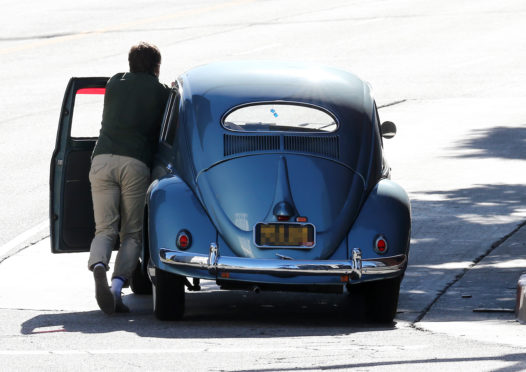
<point x="278" y="117"/>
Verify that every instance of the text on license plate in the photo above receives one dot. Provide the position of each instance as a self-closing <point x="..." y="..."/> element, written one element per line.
<point x="284" y="235"/>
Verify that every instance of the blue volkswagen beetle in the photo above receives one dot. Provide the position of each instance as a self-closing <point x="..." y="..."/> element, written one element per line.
<point x="268" y="176"/>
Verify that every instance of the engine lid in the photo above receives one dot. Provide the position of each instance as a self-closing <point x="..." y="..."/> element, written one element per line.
<point x="277" y="189"/>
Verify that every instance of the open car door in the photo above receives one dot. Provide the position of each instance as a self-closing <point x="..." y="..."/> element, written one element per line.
<point x="71" y="208"/>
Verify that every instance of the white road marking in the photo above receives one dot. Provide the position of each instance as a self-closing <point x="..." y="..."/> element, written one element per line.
<point x="22" y="237"/>
<point x="258" y="49"/>
<point x="200" y="350"/>
<point x="123" y="26"/>
<point x="471" y="62"/>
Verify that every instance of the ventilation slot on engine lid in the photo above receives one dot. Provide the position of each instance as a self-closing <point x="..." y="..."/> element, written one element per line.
<point x="237" y="144"/>
<point x="325" y="146"/>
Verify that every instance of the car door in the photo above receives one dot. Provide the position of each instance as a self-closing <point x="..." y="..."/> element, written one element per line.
<point x="71" y="208"/>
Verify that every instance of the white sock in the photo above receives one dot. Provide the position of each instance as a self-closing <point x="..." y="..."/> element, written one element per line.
<point x="116" y="286"/>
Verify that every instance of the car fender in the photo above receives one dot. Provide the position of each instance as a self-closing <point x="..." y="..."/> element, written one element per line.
<point x="386" y="212"/>
<point x="172" y="207"/>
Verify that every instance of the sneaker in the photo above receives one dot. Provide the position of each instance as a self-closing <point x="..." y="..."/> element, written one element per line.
<point x="102" y="290"/>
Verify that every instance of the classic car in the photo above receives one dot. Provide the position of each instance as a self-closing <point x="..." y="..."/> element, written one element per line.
<point x="268" y="176"/>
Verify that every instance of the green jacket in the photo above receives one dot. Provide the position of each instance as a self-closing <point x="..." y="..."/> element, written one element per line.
<point x="133" y="109"/>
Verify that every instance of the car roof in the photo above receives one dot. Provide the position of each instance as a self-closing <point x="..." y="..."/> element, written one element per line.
<point x="238" y="82"/>
<point x="209" y="92"/>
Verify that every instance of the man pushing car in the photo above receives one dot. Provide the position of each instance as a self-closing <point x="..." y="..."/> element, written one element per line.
<point x="120" y="170"/>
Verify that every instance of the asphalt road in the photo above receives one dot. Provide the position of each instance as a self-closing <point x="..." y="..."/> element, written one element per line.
<point x="451" y="75"/>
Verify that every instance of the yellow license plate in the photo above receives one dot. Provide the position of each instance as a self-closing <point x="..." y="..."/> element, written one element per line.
<point x="287" y="235"/>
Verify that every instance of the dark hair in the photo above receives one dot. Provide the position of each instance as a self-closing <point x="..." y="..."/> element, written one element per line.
<point x="144" y="57"/>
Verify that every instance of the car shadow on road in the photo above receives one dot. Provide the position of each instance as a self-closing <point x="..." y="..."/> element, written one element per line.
<point x="223" y="314"/>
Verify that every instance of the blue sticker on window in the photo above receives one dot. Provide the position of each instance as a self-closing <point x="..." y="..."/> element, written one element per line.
<point x="274" y="113"/>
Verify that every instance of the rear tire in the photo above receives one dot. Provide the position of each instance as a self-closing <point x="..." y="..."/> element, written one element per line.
<point x="168" y="295"/>
<point x="381" y="299"/>
<point x="139" y="281"/>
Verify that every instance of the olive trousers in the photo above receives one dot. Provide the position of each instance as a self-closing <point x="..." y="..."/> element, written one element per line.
<point x="118" y="189"/>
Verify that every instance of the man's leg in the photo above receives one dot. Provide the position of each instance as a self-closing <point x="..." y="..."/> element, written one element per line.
<point x="135" y="178"/>
<point x="106" y="198"/>
<point x="105" y="192"/>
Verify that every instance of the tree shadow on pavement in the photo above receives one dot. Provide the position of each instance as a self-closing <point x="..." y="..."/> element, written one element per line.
<point x="496" y="142"/>
<point x="472" y="216"/>
<point x="451" y="230"/>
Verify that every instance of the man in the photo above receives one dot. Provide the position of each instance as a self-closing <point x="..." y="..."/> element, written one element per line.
<point x="120" y="170"/>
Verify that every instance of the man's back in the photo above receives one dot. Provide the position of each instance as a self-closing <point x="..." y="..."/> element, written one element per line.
<point x="133" y="108"/>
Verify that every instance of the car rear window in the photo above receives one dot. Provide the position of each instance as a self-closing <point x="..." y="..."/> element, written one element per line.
<point x="272" y="117"/>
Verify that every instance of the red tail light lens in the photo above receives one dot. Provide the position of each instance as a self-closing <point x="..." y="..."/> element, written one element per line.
<point x="380" y="245"/>
<point x="283" y="218"/>
<point x="183" y="240"/>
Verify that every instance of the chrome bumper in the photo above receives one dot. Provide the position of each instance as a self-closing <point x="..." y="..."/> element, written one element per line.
<point x="355" y="268"/>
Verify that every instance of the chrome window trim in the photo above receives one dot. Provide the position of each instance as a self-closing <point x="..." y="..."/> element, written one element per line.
<point x="281" y="102"/>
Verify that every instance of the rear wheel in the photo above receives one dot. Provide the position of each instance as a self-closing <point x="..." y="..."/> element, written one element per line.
<point x="168" y="295"/>
<point x="381" y="299"/>
<point x="139" y="281"/>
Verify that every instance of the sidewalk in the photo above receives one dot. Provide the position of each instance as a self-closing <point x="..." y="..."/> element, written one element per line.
<point x="480" y="305"/>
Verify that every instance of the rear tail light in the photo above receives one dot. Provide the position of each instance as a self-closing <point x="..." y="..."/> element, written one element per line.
<point x="183" y="240"/>
<point x="283" y="218"/>
<point x="380" y="245"/>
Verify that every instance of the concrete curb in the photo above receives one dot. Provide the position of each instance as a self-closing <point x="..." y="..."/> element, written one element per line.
<point x="520" y="306"/>
<point x="487" y="302"/>
<point x="493" y="246"/>
<point x="24" y="240"/>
